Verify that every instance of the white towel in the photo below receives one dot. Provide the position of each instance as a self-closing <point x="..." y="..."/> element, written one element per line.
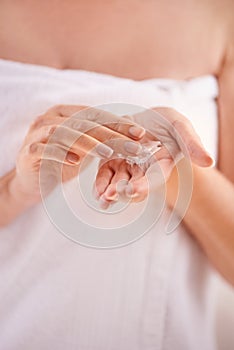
<point x="153" y="294"/>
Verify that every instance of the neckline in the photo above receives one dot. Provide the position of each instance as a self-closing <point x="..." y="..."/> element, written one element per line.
<point x="59" y="71"/>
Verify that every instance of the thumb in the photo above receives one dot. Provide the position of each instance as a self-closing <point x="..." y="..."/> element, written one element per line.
<point x="190" y="143"/>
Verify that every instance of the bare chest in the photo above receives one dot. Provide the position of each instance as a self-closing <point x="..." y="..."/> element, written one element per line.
<point x="135" y="39"/>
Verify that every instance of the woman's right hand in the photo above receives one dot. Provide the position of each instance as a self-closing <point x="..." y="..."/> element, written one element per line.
<point x="62" y="138"/>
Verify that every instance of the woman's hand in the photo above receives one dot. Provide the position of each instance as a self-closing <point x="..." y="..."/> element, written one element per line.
<point x="176" y="134"/>
<point x="62" y="138"/>
<point x="118" y="180"/>
<point x="178" y="139"/>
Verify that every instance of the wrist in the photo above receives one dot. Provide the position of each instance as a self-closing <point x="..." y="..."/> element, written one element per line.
<point x="12" y="204"/>
<point x="16" y="195"/>
<point x="181" y="179"/>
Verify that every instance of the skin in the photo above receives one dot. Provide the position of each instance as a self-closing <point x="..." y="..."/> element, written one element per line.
<point x="166" y="125"/>
<point x="140" y="40"/>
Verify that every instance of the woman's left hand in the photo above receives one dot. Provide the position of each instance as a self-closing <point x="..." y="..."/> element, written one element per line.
<point x="117" y="178"/>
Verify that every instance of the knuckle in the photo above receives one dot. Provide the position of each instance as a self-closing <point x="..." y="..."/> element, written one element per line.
<point x="74" y="123"/>
<point x="51" y="129"/>
<point x="96" y="115"/>
<point x="93" y="114"/>
<point x="32" y="148"/>
<point x="70" y="122"/>
<point x="179" y="124"/>
<point x="118" y="126"/>
<point x="176" y="123"/>
<point x="86" y="126"/>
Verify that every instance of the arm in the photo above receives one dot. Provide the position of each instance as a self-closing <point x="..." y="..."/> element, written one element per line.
<point x="10" y="205"/>
<point x="210" y="217"/>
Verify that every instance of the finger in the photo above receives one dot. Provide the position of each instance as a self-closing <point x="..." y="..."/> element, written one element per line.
<point x="103" y="179"/>
<point x="118" y="142"/>
<point x="118" y="182"/>
<point x="104" y="204"/>
<point x="45" y="126"/>
<point x="45" y="120"/>
<point x="190" y="143"/>
<point x="135" y="171"/>
<point x="41" y="134"/>
<point x="137" y="189"/>
<point x="71" y="139"/>
<point x="76" y="141"/>
<point x="186" y="137"/>
<point x="65" y="110"/>
<point x="56" y="115"/>
<point x="113" y="122"/>
<point x="40" y="151"/>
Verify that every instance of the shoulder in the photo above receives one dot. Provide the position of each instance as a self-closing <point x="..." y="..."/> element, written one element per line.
<point x="223" y="18"/>
<point x="228" y="20"/>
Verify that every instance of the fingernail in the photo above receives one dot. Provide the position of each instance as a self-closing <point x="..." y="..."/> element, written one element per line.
<point x="111" y="195"/>
<point x="103" y="150"/>
<point x="103" y="203"/>
<point x="129" y="192"/>
<point x="132" y="147"/>
<point x="211" y="160"/>
<point x="72" y="158"/>
<point x="136" y="131"/>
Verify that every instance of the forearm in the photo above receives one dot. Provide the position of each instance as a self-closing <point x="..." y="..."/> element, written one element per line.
<point x="210" y="216"/>
<point x="11" y="205"/>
